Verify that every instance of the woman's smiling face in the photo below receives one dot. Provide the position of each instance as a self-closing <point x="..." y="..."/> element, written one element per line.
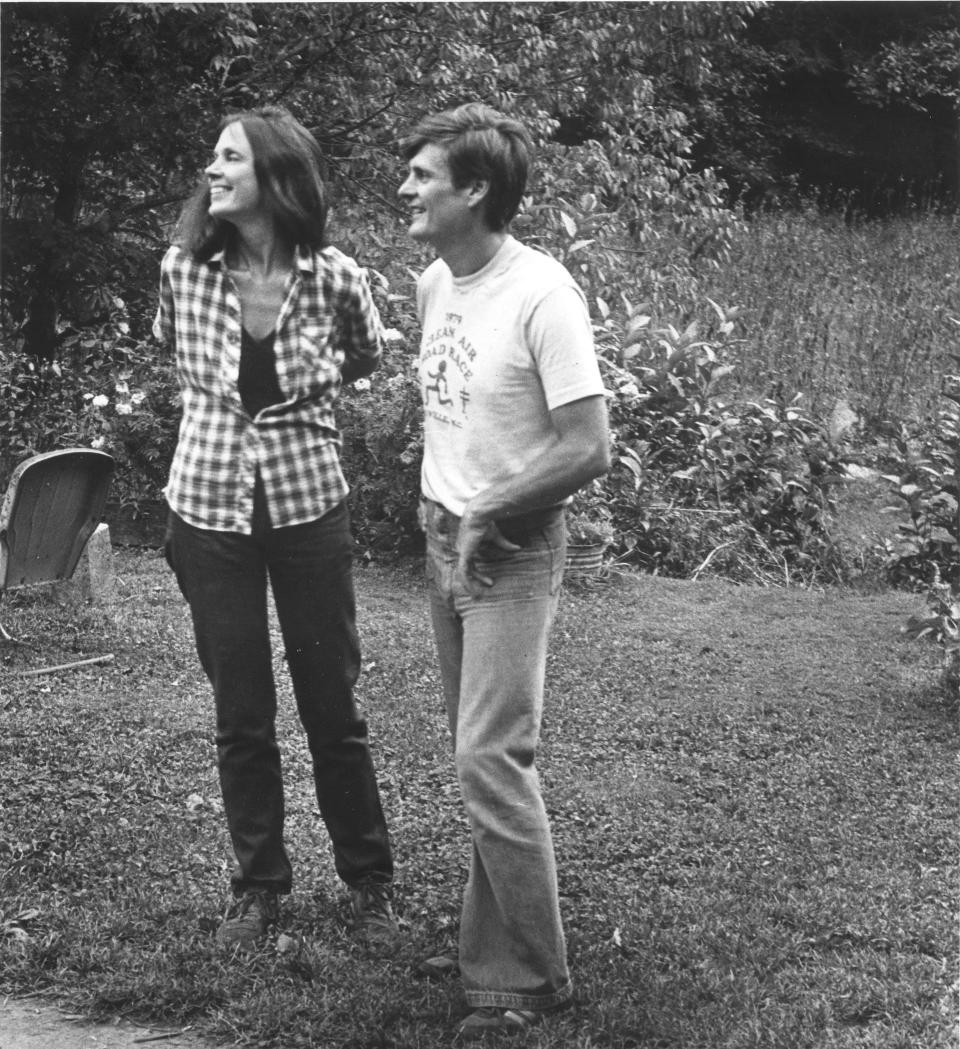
<point x="234" y="189"/>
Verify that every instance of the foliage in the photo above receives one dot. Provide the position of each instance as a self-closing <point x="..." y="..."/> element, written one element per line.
<point x="811" y="95"/>
<point x="667" y="233"/>
<point x="867" y="326"/>
<point x="753" y="799"/>
<point x="928" y="549"/>
<point x="793" y="331"/>
<point x="942" y="625"/>
<point x="589" y="519"/>
<point x="88" y="175"/>
<point x="106" y="392"/>
<point x="744" y="486"/>
<point x="841" y="309"/>
<point x="380" y="419"/>
<point x="101" y="110"/>
<point x="925" y="68"/>
<point x="109" y="111"/>
<point x="928" y="484"/>
<point x="88" y="194"/>
<point x="624" y="193"/>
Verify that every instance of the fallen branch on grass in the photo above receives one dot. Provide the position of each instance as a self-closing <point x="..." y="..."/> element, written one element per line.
<point x="67" y="666"/>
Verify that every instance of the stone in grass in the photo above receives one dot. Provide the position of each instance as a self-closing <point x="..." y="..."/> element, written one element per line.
<point x="94" y="578"/>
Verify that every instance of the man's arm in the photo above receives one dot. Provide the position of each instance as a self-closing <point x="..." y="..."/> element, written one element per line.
<point x="577" y="451"/>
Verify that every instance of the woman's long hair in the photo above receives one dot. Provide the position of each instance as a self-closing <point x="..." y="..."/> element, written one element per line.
<point x="287" y="162"/>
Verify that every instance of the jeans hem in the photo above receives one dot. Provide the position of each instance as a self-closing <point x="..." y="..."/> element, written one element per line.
<point x="538" y="1003"/>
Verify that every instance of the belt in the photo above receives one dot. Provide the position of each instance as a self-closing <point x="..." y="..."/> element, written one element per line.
<point x="515" y="529"/>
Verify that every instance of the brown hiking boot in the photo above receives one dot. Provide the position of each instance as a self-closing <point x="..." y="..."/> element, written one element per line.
<point x="249" y="918"/>
<point x="373" y="917"/>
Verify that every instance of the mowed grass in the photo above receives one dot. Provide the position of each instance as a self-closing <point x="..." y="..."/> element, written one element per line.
<point x="753" y="795"/>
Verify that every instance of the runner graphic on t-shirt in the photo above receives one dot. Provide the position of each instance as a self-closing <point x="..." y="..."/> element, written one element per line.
<point x="439" y="386"/>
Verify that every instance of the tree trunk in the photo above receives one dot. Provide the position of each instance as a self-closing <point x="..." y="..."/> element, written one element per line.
<point x="40" y="338"/>
<point x="956" y="155"/>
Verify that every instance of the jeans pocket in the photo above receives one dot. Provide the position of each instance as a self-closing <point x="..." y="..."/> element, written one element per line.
<point x="516" y="532"/>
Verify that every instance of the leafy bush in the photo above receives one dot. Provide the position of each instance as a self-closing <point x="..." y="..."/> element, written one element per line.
<point x="588" y="517"/>
<point x="106" y="392"/>
<point x="619" y="221"/>
<point x="928" y="551"/>
<point x="702" y="480"/>
<point x="380" y="420"/>
<point x="942" y="625"/>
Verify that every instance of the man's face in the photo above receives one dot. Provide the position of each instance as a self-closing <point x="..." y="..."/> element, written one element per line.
<point x="440" y="214"/>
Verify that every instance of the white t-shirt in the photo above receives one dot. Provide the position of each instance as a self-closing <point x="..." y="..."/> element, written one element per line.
<point x="500" y="349"/>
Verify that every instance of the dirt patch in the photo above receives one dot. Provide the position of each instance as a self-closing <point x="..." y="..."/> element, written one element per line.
<point x="866" y="511"/>
<point x="31" y="1024"/>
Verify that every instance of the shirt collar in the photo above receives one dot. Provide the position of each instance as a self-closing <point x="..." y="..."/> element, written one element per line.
<point x="304" y="259"/>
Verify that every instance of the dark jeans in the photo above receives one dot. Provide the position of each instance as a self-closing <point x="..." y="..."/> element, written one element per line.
<point x="223" y="576"/>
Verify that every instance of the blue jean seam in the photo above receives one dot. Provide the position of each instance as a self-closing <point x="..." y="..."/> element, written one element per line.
<point x="507" y="1000"/>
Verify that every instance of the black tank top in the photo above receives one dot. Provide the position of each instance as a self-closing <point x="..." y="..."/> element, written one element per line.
<point x="257" y="380"/>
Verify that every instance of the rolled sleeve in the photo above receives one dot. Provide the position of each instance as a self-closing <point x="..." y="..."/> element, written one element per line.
<point x="163" y="324"/>
<point x="364" y="329"/>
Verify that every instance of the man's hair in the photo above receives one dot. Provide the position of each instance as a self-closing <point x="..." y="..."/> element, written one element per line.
<point x="287" y="161"/>
<point x="480" y="143"/>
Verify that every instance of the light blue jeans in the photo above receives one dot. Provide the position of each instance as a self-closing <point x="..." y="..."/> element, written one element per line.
<point x="493" y="651"/>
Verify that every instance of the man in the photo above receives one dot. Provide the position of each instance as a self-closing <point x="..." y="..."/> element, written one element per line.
<point x="515" y="422"/>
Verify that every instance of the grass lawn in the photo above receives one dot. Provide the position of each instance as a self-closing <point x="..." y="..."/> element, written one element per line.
<point x="753" y="792"/>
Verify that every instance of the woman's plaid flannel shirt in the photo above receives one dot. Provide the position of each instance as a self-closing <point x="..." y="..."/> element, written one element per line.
<point x="328" y="315"/>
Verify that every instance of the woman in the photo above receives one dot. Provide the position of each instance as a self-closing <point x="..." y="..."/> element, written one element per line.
<point x="266" y="324"/>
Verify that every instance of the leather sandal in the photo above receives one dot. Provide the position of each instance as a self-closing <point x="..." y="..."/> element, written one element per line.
<point x="493" y="1018"/>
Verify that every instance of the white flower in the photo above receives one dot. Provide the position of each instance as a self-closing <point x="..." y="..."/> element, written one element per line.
<point x="121" y="387"/>
<point x="100" y="401"/>
<point x="123" y="408"/>
<point x="138" y="398"/>
<point x="98" y="442"/>
<point x="362" y="385"/>
<point x="392" y="335"/>
<point x="630" y="390"/>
